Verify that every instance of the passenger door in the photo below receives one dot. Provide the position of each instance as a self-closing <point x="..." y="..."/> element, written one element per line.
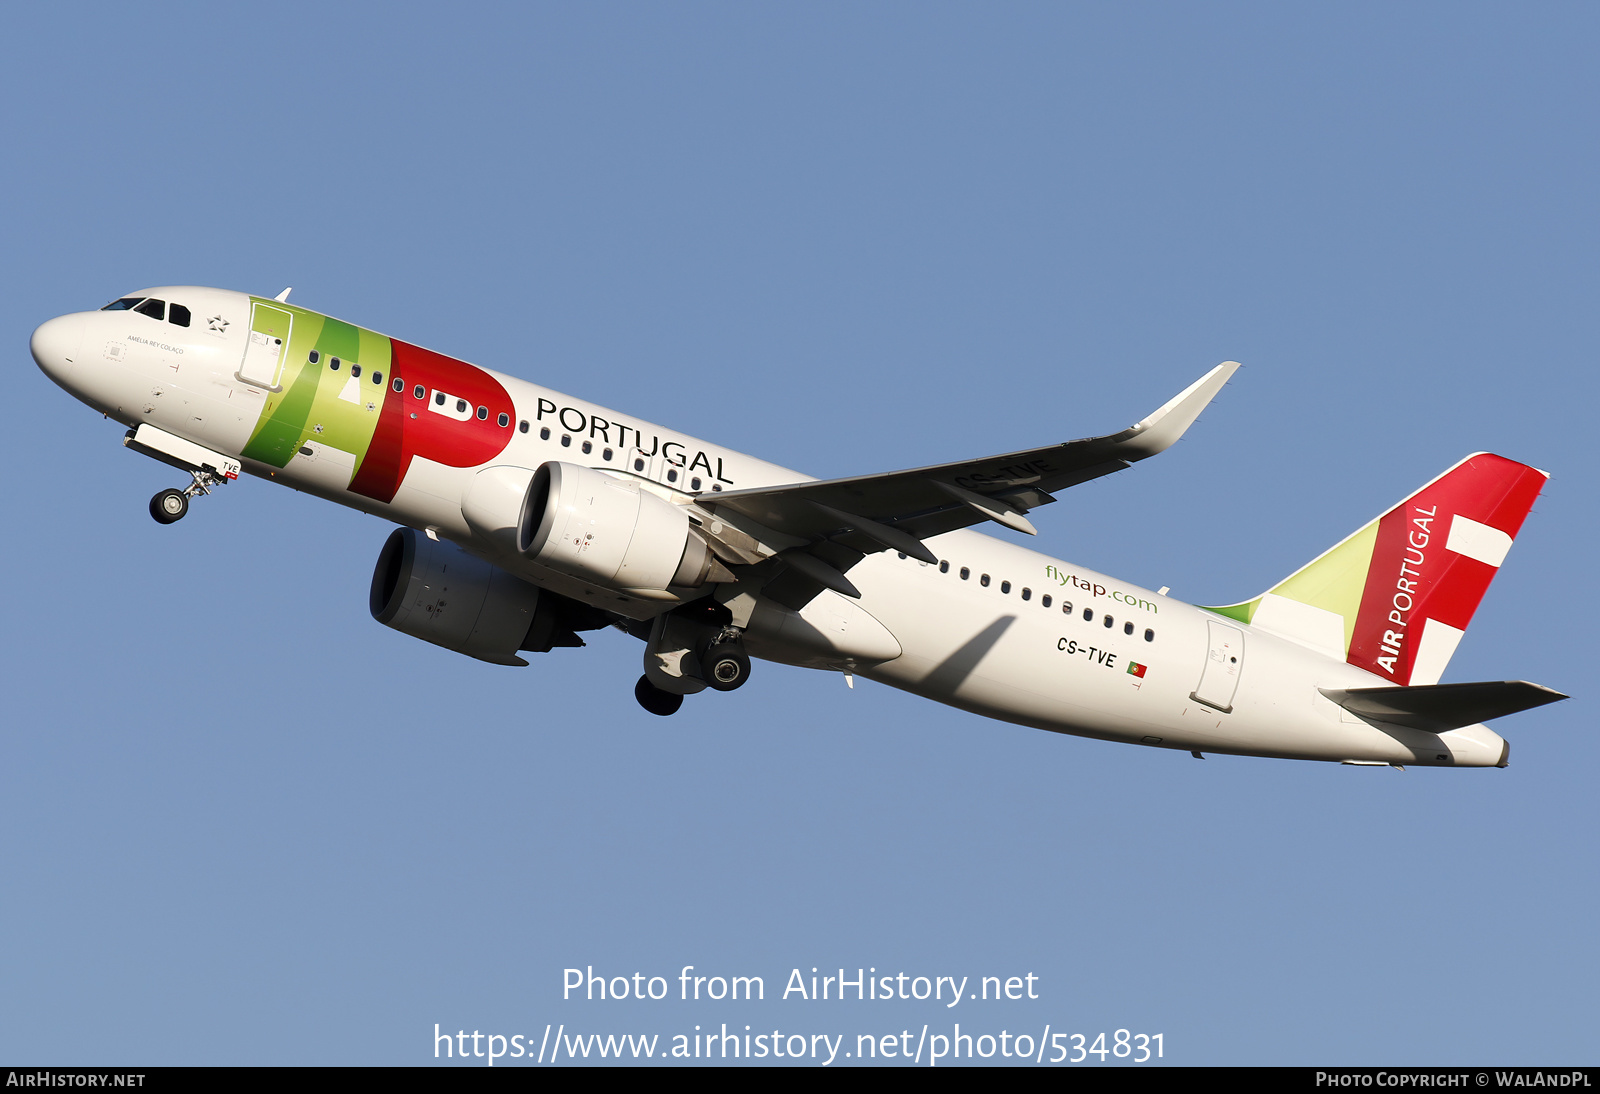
<point x="1219" y="680"/>
<point x="267" y="346"/>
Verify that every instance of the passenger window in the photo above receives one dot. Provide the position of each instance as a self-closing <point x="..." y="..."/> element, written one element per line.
<point x="566" y="440"/>
<point x="1127" y="628"/>
<point x="965" y="573"/>
<point x="461" y="406"/>
<point x="544" y="433"/>
<point x="178" y="314"/>
<point x="1149" y="635"/>
<point x="606" y="455"/>
<point x="588" y="447"/>
<point x="419" y="391"/>
<point x="1088" y="615"/>
<point x="984" y="580"/>
<point x="716" y="488"/>
<point x="694" y="484"/>
<point x="355" y="372"/>
<point x="1044" y="600"/>
<point x="1005" y="586"/>
<point x="504" y="420"/>
<point x="1027" y="593"/>
<point x="1066" y="607"/>
<point x="377" y="378"/>
<point x="483" y="414"/>
<point x="333" y="363"/>
<point x="638" y="465"/>
<point x="438" y="397"/>
<point x="155" y="309"/>
<point x="313" y="357"/>
<point x="1110" y="622"/>
<point x="944" y="567"/>
<point x="399" y="386"/>
<point x="522" y="426"/>
<point x="672" y="474"/>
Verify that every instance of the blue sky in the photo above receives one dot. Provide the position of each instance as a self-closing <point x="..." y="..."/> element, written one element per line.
<point x="242" y="823"/>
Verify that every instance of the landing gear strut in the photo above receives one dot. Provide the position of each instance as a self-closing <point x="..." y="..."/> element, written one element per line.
<point x="654" y="699"/>
<point x="170" y="506"/>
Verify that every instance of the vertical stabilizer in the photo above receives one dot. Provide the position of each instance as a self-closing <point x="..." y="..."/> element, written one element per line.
<point x="1395" y="597"/>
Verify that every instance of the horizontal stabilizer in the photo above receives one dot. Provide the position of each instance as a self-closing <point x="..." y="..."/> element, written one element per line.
<point x="1440" y="707"/>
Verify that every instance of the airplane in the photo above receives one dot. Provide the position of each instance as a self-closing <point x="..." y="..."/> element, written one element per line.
<point x="526" y="517"/>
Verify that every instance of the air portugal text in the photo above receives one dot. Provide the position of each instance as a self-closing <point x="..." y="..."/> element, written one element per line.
<point x="1405" y="586"/>
<point x="594" y="427"/>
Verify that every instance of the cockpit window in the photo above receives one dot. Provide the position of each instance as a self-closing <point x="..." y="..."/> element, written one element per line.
<point x="127" y="303"/>
<point x="178" y="314"/>
<point x="155" y="309"/>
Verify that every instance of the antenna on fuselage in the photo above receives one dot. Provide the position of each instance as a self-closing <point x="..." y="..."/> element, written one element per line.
<point x="283" y="297"/>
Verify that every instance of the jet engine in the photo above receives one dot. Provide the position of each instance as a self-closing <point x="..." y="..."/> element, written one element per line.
<point x="608" y="531"/>
<point x="435" y="591"/>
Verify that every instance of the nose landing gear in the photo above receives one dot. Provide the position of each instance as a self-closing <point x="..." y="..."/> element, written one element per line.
<point x="206" y="467"/>
<point x="170" y="506"/>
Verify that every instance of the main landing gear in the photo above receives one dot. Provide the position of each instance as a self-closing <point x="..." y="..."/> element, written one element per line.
<point x="679" y="662"/>
<point x="654" y="699"/>
<point x="726" y="666"/>
<point x="170" y="506"/>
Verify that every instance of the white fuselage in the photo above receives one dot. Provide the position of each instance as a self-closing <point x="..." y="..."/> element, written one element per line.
<point x="1001" y="631"/>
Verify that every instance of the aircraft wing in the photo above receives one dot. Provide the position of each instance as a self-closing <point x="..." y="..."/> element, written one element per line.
<point x="837" y="521"/>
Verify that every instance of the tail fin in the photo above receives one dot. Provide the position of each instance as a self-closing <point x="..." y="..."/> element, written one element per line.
<point x="1395" y="597"/>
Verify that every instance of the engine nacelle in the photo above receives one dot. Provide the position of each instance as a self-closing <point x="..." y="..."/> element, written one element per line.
<point x="608" y="531"/>
<point x="439" y="593"/>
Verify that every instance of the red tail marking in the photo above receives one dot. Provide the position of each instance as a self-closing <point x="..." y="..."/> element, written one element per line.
<point x="1413" y="577"/>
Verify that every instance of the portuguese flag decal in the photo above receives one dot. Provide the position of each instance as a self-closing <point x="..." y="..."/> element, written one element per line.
<point x="1136" y="669"/>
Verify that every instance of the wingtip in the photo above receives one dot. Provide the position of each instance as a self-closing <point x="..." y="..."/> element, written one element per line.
<point x="1172" y="419"/>
<point x="1223" y="373"/>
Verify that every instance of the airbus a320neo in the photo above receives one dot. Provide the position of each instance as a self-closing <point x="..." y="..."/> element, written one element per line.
<point x="527" y="516"/>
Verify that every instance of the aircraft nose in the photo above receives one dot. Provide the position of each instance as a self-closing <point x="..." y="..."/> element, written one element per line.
<point x="55" y="344"/>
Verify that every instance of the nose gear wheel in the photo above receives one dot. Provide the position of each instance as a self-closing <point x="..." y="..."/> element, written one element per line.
<point x="170" y="506"/>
